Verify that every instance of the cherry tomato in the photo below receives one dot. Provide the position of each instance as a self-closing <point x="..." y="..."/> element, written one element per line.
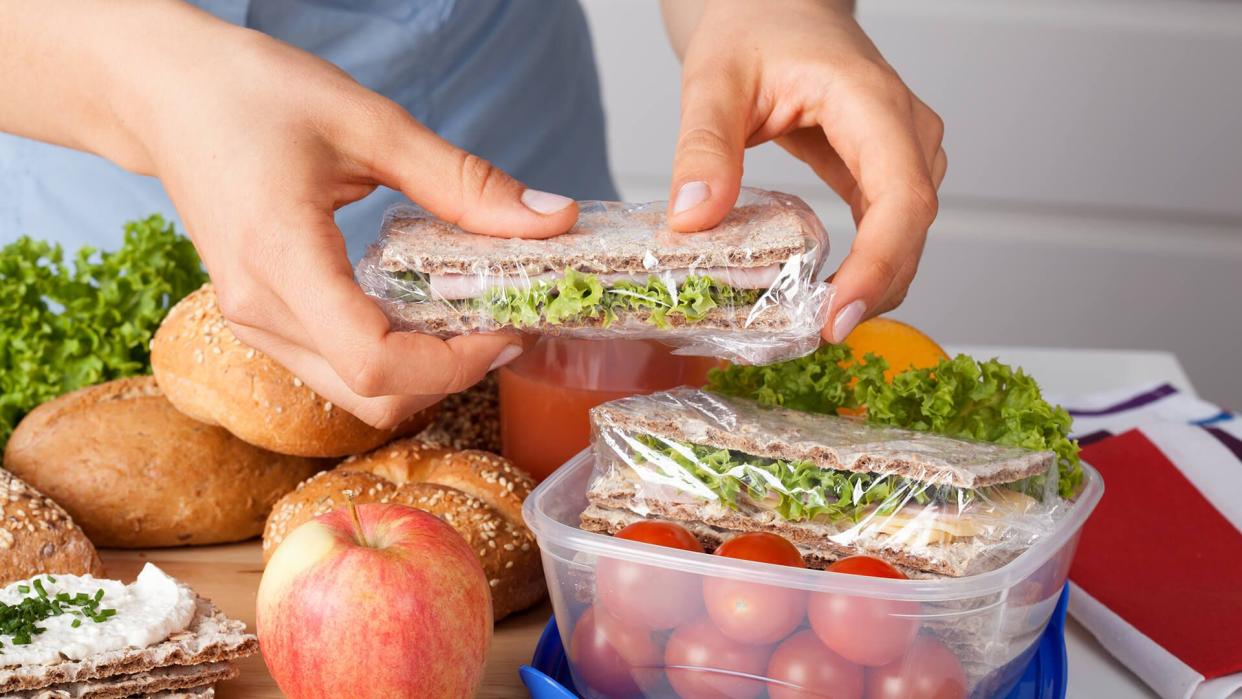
<point x="612" y="657"/>
<point x="752" y="612"/>
<point x="866" y="565"/>
<point x="806" y="669"/>
<point x="669" y="534"/>
<point x="928" y="670"/>
<point x="651" y="596"/>
<point x="703" y="664"/>
<point x="763" y="547"/>
<point x="865" y="630"/>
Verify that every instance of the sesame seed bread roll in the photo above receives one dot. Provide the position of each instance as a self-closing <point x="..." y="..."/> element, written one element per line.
<point x="208" y="374"/>
<point x="135" y="473"/>
<point x="37" y="536"/>
<point x="477" y="493"/>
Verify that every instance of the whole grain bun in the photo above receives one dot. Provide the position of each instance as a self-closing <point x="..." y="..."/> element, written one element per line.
<point x="208" y="374"/>
<point x="37" y="535"/>
<point x="469" y="419"/>
<point x="134" y="473"/>
<point x="478" y="494"/>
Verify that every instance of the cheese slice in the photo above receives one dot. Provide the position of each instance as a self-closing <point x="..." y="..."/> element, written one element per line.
<point x="932" y="524"/>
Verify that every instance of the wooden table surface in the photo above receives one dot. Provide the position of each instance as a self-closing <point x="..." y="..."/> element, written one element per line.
<point x="229" y="576"/>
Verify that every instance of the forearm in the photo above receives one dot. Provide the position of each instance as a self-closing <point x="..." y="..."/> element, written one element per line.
<point x="682" y="16"/>
<point x="84" y="74"/>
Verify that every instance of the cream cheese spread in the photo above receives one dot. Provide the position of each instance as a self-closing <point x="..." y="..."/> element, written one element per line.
<point x="147" y="611"/>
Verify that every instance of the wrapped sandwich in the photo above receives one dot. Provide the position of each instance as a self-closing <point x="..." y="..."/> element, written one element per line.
<point x="834" y="486"/>
<point x="746" y="290"/>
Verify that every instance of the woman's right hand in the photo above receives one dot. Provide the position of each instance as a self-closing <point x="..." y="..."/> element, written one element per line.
<point x="257" y="144"/>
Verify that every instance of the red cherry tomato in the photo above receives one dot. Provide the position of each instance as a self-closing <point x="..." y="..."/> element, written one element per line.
<point x="804" y="668"/>
<point x="613" y="658"/>
<point x="928" y="670"/>
<point x="651" y="596"/>
<point x="669" y="534"/>
<point x="702" y="664"/>
<point x="865" y="630"/>
<point x="763" y="547"/>
<point x="866" y="565"/>
<point x="753" y="612"/>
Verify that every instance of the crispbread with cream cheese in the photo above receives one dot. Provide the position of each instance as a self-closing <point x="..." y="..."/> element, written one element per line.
<point x="830" y="442"/>
<point x="162" y="682"/>
<point x="750" y="236"/>
<point x="211" y="637"/>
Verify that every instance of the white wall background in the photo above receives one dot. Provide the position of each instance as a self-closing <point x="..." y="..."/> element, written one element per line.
<point x="1094" y="194"/>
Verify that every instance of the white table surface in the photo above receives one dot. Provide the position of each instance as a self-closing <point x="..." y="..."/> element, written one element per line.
<point x="1092" y="671"/>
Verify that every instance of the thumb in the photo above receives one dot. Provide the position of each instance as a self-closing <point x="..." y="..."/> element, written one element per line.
<point x="467" y="190"/>
<point x="707" y="166"/>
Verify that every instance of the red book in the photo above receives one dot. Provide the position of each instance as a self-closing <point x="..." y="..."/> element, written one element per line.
<point x="1159" y="555"/>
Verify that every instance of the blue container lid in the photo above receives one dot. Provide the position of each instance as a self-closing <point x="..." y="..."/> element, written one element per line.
<point x="1045" y="677"/>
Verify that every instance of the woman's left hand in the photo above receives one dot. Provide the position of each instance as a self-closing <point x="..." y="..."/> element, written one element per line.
<point x="804" y="74"/>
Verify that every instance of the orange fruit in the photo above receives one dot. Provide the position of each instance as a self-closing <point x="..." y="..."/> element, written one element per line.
<point x="902" y="346"/>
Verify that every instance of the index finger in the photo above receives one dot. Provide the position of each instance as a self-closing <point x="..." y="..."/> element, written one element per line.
<point x="879" y="145"/>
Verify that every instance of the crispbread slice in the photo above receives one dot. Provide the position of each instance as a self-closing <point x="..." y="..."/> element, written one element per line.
<point x="828" y="441"/>
<point x="608" y="237"/>
<point x="615" y="503"/>
<point x="211" y="637"/>
<point x="163" y="682"/>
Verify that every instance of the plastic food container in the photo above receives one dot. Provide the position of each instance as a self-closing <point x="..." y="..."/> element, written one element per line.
<point x="648" y="635"/>
<point x="546" y="394"/>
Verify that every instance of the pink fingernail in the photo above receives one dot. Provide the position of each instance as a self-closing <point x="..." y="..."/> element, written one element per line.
<point x="544" y="202"/>
<point x="508" y="354"/>
<point x="690" y="195"/>
<point x="847" y="318"/>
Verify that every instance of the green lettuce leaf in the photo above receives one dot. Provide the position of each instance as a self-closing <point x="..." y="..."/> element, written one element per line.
<point x="68" y="324"/>
<point x="960" y="397"/>
<point x="577" y="296"/>
<point x="800" y="490"/>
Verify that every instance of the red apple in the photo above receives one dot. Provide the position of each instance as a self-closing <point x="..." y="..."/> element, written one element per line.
<point x="377" y="601"/>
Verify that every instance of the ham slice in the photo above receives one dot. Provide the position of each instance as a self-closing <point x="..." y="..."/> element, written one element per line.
<point x="455" y="287"/>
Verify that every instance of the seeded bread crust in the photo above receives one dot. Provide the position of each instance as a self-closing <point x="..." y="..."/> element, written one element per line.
<point x="608" y="237"/>
<point x="828" y="441"/>
<point x="469" y="419"/>
<point x="211" y="637"/>
<point x="38" y="536"/>
<point x="478" y="494"/>
<point x="135" y="473"/>
<point x="164" y="682"/>
<point x="208" y="374"/>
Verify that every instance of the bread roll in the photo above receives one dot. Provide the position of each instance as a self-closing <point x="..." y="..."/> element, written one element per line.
<point x="135" y="473"/>
<point x="208" y="374"/>
<point x="478" y="494"/>
<point x="37" y="536"/>
<point x="469" y="419"/>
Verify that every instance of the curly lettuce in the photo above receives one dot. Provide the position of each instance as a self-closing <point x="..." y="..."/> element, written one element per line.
<point x="960" y="397"/>
<point x="578" y="296"/>
<point x="65" y="324"/>
<point x="798" y="490"/>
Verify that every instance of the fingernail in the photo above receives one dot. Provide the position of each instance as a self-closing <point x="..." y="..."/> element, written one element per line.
<point x="544" y="202"/>
<point x="846" y="319"/>
<point x="508" y="354"/>
<point x="690" y="195"/>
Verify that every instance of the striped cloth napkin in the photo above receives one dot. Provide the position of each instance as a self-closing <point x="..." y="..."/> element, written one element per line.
<point x="1158" y="574"/>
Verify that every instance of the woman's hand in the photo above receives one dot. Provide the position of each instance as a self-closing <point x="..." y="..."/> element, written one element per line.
<point x="258" y="143"/>
<point x="803" y="73"/>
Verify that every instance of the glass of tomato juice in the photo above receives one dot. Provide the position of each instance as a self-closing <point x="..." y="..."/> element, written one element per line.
<point x="547" y="393"/>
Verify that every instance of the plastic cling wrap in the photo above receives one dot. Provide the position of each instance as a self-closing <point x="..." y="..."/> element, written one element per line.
<point x="747" y="290"/>
<point x="834" y="486"/>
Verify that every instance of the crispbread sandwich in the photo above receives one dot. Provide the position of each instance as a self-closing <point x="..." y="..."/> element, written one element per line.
<point x="619" y="268"/>
<point x="82" y="636"/>
<point x="833" y="486"/>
